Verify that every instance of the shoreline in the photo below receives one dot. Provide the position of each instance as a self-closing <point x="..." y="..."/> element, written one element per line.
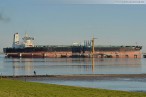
<point x="77" y="76"/>
<point x="82" y="77"/>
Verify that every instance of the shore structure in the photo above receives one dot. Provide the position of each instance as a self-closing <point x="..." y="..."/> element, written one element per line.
<point x="27" y="49"/>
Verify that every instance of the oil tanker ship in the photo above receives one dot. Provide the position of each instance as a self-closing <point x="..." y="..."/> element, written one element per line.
<point x="27" y="49"/>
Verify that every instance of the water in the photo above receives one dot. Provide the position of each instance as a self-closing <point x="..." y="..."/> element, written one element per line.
<point x="65" y="66"/>
<point x="61" y="66"/>
<point x="122" y="84"/>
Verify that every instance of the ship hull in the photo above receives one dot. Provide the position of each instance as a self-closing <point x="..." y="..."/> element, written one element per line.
<point x="39" y="55"/>
<point x="73" y="52"/>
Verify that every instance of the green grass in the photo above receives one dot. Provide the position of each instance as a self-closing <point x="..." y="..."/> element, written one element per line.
<point x="13" y="88"/>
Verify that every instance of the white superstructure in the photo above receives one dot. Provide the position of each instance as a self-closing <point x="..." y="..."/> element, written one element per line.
<point x="16" y="41"/>
<point x="27" y="41"/>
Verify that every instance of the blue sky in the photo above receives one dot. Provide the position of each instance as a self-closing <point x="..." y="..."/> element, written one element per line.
<point x="54" y="22"/>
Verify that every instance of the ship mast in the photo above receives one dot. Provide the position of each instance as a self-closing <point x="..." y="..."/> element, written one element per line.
<point x="93" y="50"/>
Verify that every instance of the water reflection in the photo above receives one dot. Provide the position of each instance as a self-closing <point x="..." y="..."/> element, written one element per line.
<point x="60" y="66"/>
<point x="22" y="67"/>
<point x="93" y="64"/>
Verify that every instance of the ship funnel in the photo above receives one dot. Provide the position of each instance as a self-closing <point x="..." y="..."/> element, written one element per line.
<point x="15" y="40"/>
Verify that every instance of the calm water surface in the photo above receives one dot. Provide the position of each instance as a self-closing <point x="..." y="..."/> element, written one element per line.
<point x="62" y="66"/>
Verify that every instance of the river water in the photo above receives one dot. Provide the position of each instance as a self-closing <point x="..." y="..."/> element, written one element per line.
<point x="66" y="66"/>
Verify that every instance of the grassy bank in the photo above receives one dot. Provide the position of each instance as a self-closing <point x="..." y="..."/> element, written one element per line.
<point x="11" y="88"/>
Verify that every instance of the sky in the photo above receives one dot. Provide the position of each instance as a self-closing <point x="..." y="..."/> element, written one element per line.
<point x="63" y="22"/>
